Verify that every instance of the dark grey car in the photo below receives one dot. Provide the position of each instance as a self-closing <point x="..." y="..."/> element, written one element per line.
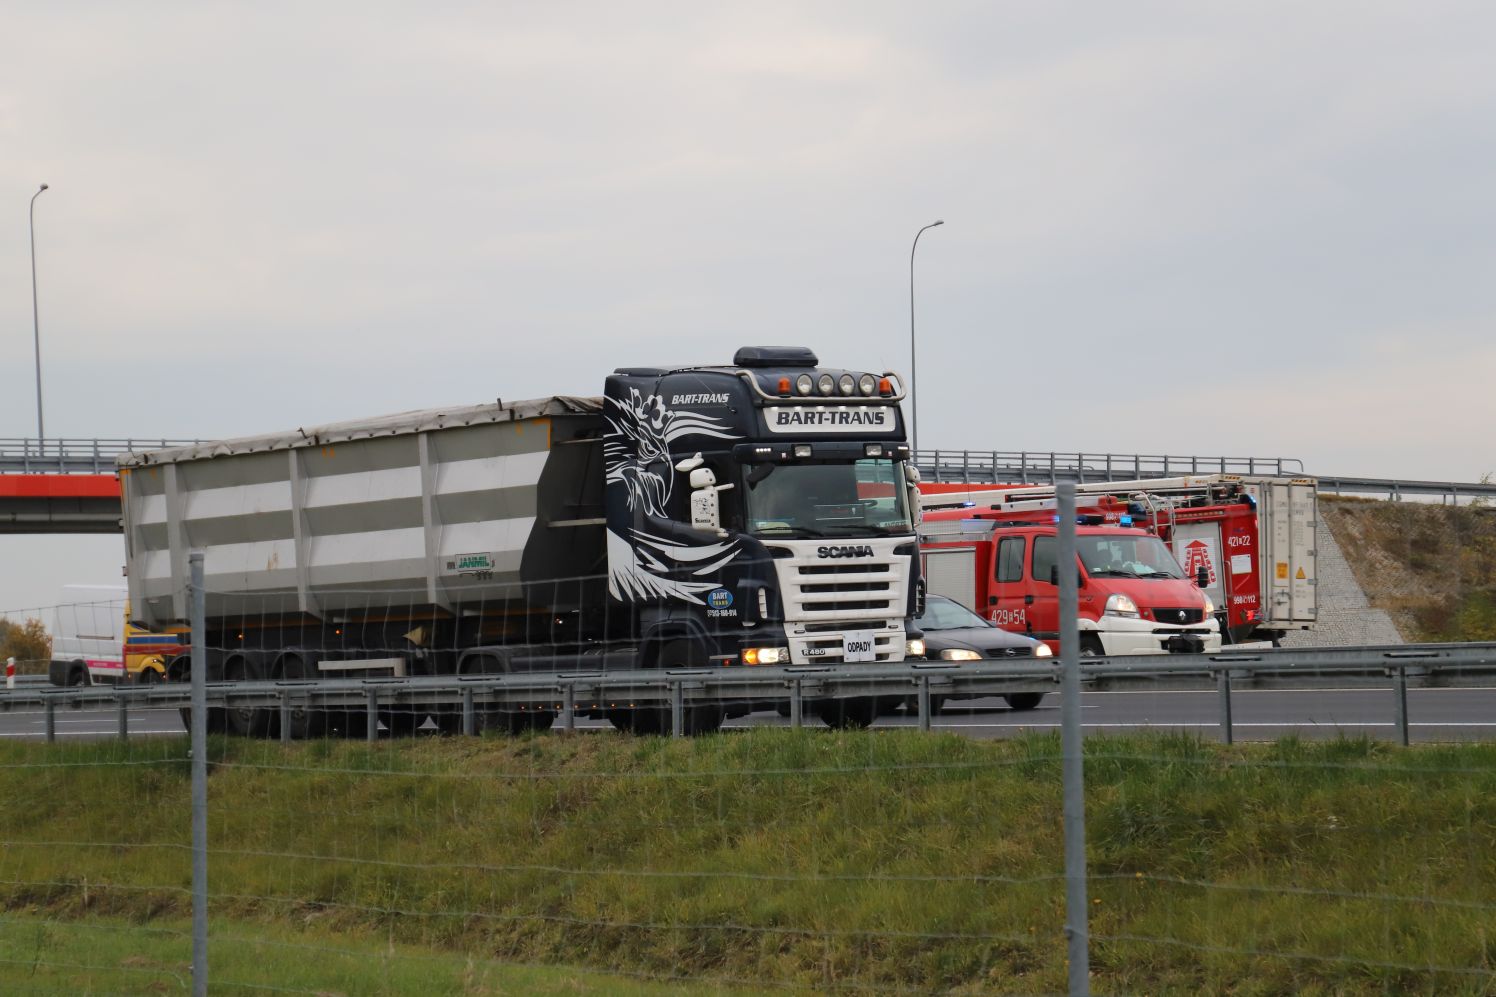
<point x="955" y="633"/>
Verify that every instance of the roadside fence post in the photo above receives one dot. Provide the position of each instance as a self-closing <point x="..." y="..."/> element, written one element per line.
<point x="199" y="677"/>
<point x="122" y="708"/>
<point x="1400" y="702"/>
<point x="677" y="709"/>
<point x="469" y="715"/>
<point x="797" y="705"/>
<point x="1223" y="693"/>
<point x="924" y="702"/>
<point x="569" y="708"/>
<point x="371" y="729"/>
<point x="1077" y="928"/>
<point x="51" y="713"/>
<point x="285" y="716"/>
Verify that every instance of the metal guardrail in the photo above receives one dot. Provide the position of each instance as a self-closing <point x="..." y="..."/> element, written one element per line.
<point x="1038" y="467"/>
<point x="1449" y="492"/>
<point x="1400" y="666"/>
<point x="68" y="456"/>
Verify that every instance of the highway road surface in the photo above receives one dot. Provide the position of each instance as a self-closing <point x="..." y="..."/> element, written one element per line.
<point x="1454" y="714"/>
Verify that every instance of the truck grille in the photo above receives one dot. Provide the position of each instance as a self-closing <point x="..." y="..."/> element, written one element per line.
<point x="1178" y="615"/>
<point x="842" y="592"/>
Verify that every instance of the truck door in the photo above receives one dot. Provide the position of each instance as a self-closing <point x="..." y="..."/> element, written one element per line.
<point x="1198" y="545"/>
<point x="1009" y="597"/>
<point x="1044" y="606"/>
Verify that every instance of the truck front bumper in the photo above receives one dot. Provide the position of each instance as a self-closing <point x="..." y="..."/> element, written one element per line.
<point x="1123" y="636"/>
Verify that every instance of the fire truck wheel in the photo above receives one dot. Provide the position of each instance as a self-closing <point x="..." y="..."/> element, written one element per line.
<point x="1090" y="646"/>
<point x="1023" y="700"/>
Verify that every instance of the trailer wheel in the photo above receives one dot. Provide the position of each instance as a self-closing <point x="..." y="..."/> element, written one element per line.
<point x="244" y="721"/>
<point x="1023" y="700"/>
<point x="305" y="722"/>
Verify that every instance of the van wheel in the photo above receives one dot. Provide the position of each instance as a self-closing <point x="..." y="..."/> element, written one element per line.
<point x="1023" y="700"/>
<point x="78" y="674"/>
<point x="1090" y="646"/>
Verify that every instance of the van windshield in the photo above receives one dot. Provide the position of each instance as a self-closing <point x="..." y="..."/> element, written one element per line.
<point x="1126" y="557"/>
<point x="859" y="498"/>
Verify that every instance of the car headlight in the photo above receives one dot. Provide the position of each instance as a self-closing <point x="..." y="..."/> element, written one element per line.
<point x="1043" y="651"/>
<point x="1210" y="607"/>
<point x="1121" y="605"/>
<point x="959" y="654"/>
<point x="914" y="648"/>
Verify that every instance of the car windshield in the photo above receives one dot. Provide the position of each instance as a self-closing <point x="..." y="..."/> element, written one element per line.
<point x="943" y="614"/>
<point x="1126" y="557"/>
<point x="861" y="498"/>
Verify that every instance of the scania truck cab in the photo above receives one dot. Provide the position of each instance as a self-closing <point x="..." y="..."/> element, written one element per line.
<point x="792" y="540"/>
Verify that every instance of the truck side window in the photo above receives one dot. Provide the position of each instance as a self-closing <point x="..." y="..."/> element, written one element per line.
<point x="1044" y="558"/>
<point x="1010" y="559"/>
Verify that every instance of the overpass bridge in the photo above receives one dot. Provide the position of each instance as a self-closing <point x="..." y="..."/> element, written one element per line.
<point x="64" y="486"/>
<point x="69" y="485"/>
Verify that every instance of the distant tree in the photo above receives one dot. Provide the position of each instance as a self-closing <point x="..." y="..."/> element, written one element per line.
<point x="26" y="642"/>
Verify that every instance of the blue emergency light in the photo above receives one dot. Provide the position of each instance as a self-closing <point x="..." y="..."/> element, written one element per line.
<point x="1125" y="520"/>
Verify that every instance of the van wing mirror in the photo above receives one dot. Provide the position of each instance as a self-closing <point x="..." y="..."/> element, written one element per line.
<point x="1202" y="577"/>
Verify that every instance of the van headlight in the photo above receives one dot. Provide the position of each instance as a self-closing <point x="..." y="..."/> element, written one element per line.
<point x="1210" y="607"/>
<point x="1121" y="605"/>
<point x="914" y="648"/>
<point x="959" y="654"/>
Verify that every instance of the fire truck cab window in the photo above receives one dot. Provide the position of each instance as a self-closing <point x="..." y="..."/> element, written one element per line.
<point x="1010" y="559"/>
<point x="1044" y="558"/>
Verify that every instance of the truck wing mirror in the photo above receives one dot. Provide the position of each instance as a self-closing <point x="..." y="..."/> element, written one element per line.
<point x="1202" y="577"/>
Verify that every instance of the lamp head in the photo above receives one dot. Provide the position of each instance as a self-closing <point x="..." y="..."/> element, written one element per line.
<point x="44" y="187"/>
<point x="938" y="221"/>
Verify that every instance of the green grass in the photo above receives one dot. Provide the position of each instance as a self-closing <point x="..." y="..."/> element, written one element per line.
<point x="116" y="956"/>
<point x="805" y="859"/>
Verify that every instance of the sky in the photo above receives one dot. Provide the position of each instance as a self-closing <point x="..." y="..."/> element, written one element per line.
<point x="1243" y="229"/>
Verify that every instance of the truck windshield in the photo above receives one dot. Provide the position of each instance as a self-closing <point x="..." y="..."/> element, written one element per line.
<point x="1126" y="557"/>
<point x="861" y="498"/>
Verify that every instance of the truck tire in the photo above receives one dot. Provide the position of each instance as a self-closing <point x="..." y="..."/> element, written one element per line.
<point x="1090" y="646"/>
<point x="305" y="723"/>
<point x="848" y="714"/>
<point x="1023" y="700"/>
<point x="699" y="718"/>
<point x="244" y="721"/>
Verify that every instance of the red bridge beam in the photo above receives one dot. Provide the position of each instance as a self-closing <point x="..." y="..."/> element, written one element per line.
<point x="59" y="503"/>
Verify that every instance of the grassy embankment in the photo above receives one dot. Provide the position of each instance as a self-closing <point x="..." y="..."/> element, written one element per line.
<point x="1431" y="567"/>
<point x="775" y="857"/>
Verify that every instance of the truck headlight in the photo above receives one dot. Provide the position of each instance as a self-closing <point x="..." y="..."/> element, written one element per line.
<point x="1121" y="605"/>
<point x="766" y="655"/>
<point x="1210" y="608"/>
<point x="914" y="648"/>
<point x="1043" y="651"/>
<point x="959" y="654"/>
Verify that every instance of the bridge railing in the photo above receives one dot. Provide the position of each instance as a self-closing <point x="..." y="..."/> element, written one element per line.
<point x="1048" y="467"/>
<point x="73" y="456"/>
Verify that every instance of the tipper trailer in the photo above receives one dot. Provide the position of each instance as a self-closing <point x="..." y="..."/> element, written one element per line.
<point x="758" y="513"/>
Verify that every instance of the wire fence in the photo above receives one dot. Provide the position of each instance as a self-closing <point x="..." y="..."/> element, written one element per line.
<point x="766" y="859"/>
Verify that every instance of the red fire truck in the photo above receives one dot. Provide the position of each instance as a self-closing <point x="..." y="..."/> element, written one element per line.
<point x="1133" y="596"/>
<point x="1253" y="536"/>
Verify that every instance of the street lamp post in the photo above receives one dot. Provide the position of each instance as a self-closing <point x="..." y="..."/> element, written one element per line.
<point x="914" y="398"/>
<point x="36" y="328"/>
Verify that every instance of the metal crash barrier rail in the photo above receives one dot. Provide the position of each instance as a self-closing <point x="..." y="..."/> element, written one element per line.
<point x="1397" y="668"/>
